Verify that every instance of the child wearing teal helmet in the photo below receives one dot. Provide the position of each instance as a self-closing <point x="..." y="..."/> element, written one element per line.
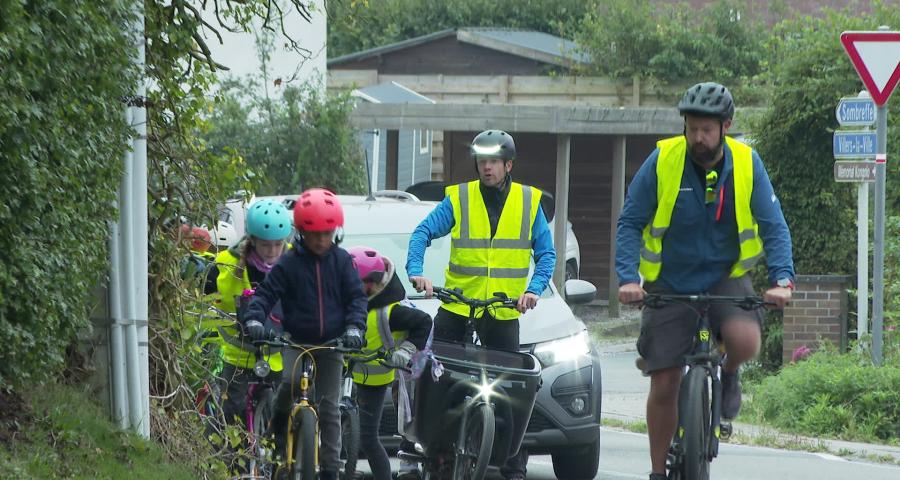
<point x="240" y="268"/>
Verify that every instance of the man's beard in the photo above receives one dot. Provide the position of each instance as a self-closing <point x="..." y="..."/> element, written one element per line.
<point x="706" y="157"/>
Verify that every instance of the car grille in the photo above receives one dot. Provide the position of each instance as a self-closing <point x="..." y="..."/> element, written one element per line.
<point x="388" y="427"/>
<point x="539" y="423"/>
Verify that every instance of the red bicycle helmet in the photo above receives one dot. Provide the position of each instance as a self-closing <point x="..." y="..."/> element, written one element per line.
<point x="198" y="237"/>
<point x="318" y="210"/>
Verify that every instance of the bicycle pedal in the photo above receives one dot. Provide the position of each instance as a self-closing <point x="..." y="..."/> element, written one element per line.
<point x="725" y="430"/>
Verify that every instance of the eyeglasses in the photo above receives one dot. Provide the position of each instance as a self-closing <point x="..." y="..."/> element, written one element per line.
<point x="712" y="178"/>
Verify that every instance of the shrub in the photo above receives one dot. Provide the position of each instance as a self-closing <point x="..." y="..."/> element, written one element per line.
<point x="841" y="395"/>
<point x="62" y="140"/>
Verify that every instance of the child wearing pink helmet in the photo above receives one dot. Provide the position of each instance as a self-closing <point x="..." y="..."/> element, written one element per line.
<point x="392" y="326"/>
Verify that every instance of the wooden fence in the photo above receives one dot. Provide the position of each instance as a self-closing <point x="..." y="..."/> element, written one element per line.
<point x="518" y="90"/>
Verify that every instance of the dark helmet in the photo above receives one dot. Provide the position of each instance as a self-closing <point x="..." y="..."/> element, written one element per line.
<point x="493" y="144"/>
<point x="708" y="99"/>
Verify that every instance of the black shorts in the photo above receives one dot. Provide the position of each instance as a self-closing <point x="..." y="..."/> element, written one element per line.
<point x="668" y="333"/>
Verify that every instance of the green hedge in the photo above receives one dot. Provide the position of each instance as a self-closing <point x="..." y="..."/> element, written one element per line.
<point x="62" y="137"/>
<point x="838" y="395"/>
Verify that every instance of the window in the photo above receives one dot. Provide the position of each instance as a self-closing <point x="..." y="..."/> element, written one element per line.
<point x="424" y="141"/>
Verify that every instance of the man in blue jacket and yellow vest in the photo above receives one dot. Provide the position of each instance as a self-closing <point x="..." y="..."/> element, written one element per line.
<point x="494" y="224"/>
<point x="698" y="215"/>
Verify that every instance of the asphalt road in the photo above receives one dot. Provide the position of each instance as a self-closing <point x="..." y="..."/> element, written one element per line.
<point x="624" y="455"/>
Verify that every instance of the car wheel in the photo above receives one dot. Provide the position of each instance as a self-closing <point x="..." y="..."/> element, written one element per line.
<point x="571" y="271"/>
<point x="577" y="463"/>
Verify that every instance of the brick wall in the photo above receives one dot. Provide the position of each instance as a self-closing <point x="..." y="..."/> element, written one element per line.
<point x="817" y="313"/>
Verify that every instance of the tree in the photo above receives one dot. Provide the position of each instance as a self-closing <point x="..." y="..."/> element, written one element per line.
<point x="358" y="25"/>
<point x="671" y="43"/>
<point x="810" y="73"/>
<point x="301" y="140"/>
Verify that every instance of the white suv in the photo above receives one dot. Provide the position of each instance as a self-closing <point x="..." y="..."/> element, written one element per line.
<point x="566" y="418"/>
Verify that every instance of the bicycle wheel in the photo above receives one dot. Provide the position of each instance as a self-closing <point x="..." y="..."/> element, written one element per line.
<point x="472" y="462"/>
<point x="209" y="407"/>
<point x="349" y="440"/>
<point x="693" y="410"/>
<point x="261" y="463"/>
<point x="306" y="445"/>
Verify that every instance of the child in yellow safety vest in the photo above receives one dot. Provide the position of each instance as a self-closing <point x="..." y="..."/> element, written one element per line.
<point x="392" y="326"/>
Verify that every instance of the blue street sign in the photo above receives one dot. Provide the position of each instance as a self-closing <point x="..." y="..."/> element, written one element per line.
<point x="855" y="112"/>
<point x="854" y="144"/>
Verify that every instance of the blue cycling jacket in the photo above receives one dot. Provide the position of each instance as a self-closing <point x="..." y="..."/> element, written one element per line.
<point x="439" y="223"/>
<point x="699" y="249"/>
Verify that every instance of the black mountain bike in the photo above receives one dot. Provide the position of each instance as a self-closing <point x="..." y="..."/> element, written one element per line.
<point x="700" y="425"/>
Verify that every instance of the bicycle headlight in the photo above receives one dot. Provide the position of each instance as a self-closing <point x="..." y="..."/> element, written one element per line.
<point x="262" y="368"/>
<point x="563" y="349"/>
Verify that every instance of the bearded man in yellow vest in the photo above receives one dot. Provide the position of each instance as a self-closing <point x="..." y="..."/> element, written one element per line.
<point x="698" y="215"/>
<point x="495" y="226"/>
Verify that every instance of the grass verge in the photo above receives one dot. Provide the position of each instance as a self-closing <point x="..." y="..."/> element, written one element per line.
<point x="55" y="431"/>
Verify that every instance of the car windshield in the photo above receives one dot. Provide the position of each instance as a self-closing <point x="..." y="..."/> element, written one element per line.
<point x="394" y="246"/>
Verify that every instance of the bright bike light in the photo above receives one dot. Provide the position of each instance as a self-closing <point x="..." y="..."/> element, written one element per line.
<point x="563" y="349"/>
<point x="485" y="390"/>
<point x="262" y="368"/>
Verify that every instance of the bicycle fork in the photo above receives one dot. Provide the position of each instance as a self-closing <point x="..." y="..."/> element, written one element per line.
<point x="471" y="406"/>
<point x="294" y="422"/>
<point x="717" y="429"/>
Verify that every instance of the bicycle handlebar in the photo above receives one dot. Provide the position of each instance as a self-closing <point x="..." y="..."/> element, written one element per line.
<point x="281" y="341"/>
<point x="455" y="295"/>
<point x="746" y="302"/>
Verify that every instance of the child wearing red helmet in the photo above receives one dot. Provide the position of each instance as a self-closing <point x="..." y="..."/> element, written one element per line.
<point x="322" y="299"/>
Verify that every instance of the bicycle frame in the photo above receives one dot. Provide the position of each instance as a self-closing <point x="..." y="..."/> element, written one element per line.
<point x="704" y="357"/>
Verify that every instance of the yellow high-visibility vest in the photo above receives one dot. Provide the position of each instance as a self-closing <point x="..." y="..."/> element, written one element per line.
<point x="235" y="350"/>
<point x="481" y="265"/>
<point x="377" y="328"/>
<point x="669" y="168"/>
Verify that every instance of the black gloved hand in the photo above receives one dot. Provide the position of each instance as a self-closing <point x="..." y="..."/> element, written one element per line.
<point x="255" y="330"/>
<point x="353" y="338"/>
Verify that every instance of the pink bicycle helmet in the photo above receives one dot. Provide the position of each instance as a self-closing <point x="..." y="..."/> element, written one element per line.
<point x="318" y="210"/>
<point x="370" y="265"/>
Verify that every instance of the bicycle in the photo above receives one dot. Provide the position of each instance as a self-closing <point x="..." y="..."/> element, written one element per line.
<point x="258" y="405"/>
<point x="350" y="427"/>
<point x="700" y="423"/>
<point x="302" y="442"/>
<point x="484" y="395"/>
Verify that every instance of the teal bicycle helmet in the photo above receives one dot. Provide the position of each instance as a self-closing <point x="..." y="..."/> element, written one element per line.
<point x="268" y="220"/>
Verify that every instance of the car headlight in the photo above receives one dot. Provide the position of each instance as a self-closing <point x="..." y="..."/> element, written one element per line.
<point x="563" y="349"/>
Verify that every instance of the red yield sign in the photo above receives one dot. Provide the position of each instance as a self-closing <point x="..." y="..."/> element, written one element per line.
<point x="876" y="57"/>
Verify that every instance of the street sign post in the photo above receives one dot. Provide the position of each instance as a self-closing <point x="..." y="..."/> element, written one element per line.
<point x="876" y="57"/>
<point x="854" y="171"/>
<point x="855" y="112"/>
<point x="854" y="144"/>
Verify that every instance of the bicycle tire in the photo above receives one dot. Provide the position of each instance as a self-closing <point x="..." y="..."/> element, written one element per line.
<point x="693" y="410"/>
<point x="349" y="440"/>
<point x="262" y="464"/>
<point x="479" y="441"/>
<point x="306" y="445"/>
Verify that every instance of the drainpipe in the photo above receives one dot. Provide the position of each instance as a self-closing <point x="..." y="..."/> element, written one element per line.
<point x="116" y="346"/>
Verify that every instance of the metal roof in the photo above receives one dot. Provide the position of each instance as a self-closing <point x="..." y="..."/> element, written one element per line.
<point x="525" y="43"/>
<point x="539" y="41"/>
<point x="390" y="92"/>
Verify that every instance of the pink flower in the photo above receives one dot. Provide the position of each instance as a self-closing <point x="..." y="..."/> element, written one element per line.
<point x="800" y="353"/>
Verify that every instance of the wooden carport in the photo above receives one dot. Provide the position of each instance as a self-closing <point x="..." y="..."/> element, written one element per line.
<point x="614" y="125"/>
